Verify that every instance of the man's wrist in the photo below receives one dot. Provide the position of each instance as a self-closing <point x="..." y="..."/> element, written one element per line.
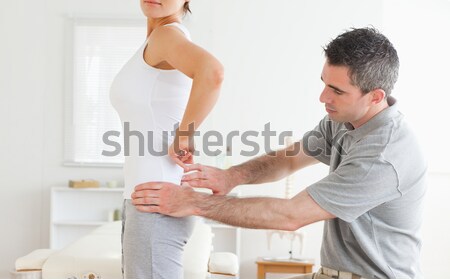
<point x="236" y="176"/>
<point x="209" y="206"/>
<point x="198" y="200"/>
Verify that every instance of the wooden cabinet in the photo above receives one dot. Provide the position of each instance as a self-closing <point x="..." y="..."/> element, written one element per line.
<point x="265" y="267"/>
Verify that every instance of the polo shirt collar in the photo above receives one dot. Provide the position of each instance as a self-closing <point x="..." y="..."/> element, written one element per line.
<point x="380" y="119"/>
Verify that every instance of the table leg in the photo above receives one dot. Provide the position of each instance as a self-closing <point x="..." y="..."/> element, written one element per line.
<point x="261" y="272"/>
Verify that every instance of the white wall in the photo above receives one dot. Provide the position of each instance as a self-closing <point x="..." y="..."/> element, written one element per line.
<point x="31" y="110"/>
<point x="272" y="53"/>
<point x="22" y="130"/>
<point x="420" y="31"/>
<point x="273" y="58"/>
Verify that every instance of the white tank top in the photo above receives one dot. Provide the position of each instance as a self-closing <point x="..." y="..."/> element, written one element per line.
<point x="152" y="101"/>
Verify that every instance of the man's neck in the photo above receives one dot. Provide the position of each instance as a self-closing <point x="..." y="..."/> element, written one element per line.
<point x="370" y="114"/>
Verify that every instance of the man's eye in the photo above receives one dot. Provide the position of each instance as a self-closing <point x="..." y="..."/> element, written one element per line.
<point x="337" y="92"/>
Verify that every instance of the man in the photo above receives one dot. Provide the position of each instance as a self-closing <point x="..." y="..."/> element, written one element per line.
<point x="371" y="200"/>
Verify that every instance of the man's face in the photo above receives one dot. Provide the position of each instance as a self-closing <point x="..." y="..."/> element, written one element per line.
<point x="343" y="101"/>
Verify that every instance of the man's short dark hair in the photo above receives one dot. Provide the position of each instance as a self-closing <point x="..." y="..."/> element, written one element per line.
<point x="371" y="58"/>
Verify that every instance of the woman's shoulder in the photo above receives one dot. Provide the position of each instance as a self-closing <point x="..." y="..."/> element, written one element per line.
<point x="165" y="41"/>
<point x="180" y="27"/>
<point x="170" y="32"/>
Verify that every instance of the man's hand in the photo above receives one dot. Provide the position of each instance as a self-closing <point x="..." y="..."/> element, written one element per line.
<point x="165" y="198"/>
<point x="221" y="182"/>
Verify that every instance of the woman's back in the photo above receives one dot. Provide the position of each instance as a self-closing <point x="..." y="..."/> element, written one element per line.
<point x="150" y="103"/>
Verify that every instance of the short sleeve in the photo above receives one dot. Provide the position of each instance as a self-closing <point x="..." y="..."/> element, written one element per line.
<point x="317" y="142"/>
<point x="356" y="186"/>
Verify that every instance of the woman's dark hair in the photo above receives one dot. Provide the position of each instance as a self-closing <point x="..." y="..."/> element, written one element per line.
<point x="186" y="8"/>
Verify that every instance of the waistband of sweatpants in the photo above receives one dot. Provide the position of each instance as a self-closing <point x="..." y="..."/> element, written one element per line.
<point x="338" y="274"/>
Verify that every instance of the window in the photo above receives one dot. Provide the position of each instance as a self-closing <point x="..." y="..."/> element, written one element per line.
<point x="100" y="49"/>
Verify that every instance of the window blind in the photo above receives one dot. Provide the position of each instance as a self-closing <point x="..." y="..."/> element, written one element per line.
<point x="100" y="49"/>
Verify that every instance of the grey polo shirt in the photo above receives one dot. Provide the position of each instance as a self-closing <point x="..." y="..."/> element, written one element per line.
<point x="375" y="188"/>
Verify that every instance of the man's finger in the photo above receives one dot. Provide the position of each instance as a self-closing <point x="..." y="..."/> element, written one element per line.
<point x="146" y="201"/>
<point x="196" y="183"/>
<point x="197" y="167"/>
<point x="149" y="209"/>
<point x="200" y="184"/>
<point x="193" y="176"/>
<point x="148" y="186"/>
<point x="145" y="193"/>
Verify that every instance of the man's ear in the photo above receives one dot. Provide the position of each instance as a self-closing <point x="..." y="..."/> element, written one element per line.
<point x="378" y="95"/>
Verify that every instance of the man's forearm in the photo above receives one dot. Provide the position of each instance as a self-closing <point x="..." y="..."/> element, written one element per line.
<point x="267" y="168"/>
<point x="254" y="213"/>
<point x="272" y="166"/>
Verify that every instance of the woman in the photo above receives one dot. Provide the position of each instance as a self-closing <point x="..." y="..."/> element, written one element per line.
<point x="169" y="81"/>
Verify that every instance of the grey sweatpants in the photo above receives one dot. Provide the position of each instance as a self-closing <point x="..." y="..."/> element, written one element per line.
<point x="152" y="244"/>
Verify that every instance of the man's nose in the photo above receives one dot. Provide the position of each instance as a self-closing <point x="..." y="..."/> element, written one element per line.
<point x="324" y="97"/>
